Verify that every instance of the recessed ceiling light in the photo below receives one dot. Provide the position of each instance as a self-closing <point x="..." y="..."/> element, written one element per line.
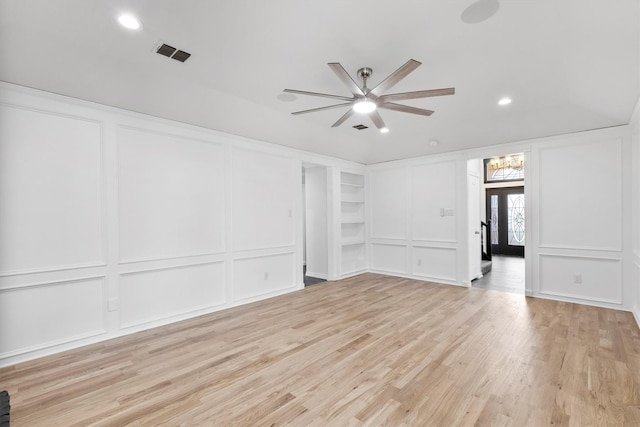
<point x="129" y="21"/>
<point x="504" y="101"/>
<point x="384" y="130"/>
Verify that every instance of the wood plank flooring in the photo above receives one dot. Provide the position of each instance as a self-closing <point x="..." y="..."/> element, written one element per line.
<point x="370" y="350"/>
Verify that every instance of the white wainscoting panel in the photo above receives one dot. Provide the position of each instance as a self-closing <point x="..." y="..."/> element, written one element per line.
<point x="389" y="257"/>
<point x="263" y="195"/>
<point x="434" y="190"/>
<point x="51" y="188"/>
<point x="256" y="276"/>
<point x="581" y="196"/>
<point x="601" y="278"/>
<point x="148" y="296"/>
<point x="43" y="315"/>
<point x="171" y="195"/>
<point x="388" y="190"/>
<point x="437" y="263"/>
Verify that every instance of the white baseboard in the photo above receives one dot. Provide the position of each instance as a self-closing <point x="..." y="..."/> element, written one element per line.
<point x="316" y="275"/>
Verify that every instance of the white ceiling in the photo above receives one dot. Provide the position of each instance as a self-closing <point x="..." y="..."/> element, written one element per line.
<point x="569" y="65"/>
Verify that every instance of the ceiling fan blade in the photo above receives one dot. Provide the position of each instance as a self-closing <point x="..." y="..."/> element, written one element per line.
<point x="313" y="110"/>
<point x="346" y="78"/>
<point x="377" y="119"/>
<point x="343" y="118"/>
<point x="417" y="94"/>
<point x="405" y="109"/>
<point x="324" y="95"/>
<point x="395" y="77"/>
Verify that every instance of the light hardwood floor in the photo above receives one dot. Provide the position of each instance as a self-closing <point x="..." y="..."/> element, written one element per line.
<point x="371" y="350"/>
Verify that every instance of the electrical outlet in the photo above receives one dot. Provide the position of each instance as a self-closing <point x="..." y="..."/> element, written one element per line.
<point x="448" y="212"/>
<point x="112" y="304"/>
<point x="577" y="279"/>
<point x="419" y="262"/>
<point x="266" y="275"/>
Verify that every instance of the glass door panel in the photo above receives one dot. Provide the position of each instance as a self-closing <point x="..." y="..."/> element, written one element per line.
<point x="505" y="209"/>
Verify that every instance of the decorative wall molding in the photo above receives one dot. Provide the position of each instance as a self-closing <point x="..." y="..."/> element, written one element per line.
<point x="52" y="335"/>
<point x="50" y="270"/>
<point x="564" y="277"/>
<point x="170" y="267"/>
<point x="38" y="284"/>
<point x="392" y="259"/>
<point x="183" y="292"/>
<point x="100" y="259"/>
<point x="608" y="211"/>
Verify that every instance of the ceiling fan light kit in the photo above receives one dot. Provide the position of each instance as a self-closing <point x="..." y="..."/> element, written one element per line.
<point x="364" y="106"/>
<point x="367" y="101"/>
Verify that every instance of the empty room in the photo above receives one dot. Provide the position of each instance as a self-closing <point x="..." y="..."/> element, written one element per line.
<point x="337" y="213"/>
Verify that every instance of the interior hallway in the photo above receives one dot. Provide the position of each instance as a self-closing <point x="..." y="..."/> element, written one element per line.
<point x="506" y="275"/>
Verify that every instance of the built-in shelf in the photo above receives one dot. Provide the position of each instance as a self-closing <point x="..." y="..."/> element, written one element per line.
<point x="352" y="242"/>
<point x="348" y="184"/>
<point x="352" y="237"/>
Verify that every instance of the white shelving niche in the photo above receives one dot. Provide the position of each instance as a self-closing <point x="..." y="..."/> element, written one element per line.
<point x="352" y="224"/>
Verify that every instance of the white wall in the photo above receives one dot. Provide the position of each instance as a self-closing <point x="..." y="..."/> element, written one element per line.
<point x="408" y="235"/>
<point x="579" y="216"/>
<point x="317" y="238"/>
<point x="634" y="257"/>
<point x="113" y="222"/>
<point x="578" y="190"/>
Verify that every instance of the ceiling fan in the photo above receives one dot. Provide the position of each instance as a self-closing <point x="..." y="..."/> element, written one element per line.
<point x="367" y="101"/>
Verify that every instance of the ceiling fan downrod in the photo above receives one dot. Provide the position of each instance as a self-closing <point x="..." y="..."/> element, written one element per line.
<point x="364" y="73"/>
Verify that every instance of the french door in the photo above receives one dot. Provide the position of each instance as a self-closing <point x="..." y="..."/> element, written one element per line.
<point x="505" y="209"/>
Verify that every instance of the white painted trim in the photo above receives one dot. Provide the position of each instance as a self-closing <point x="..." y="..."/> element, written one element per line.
<point x="434" y="244"/>
<point x="70" y="267"/>
<point x="48" y="345"/>
<point x="192" y="312"/>
<point x="169" y="267"/>
<point x="580" y="248"/>
<point x="578" y="298"/>
<point x="47" y="283"/>
<point x="316" y="275"/>
<point x="21" y="353"/>
<point x="353" y="273"/>
<point x="579" y="142"/>
<point x="592" y="303"/>
<point x="436" y="280"/>
<point x="264" y="252"/>
<point x="10" y="89"/>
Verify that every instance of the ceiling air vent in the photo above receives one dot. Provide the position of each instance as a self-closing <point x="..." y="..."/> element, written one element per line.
<point x="172" y="52"/>
<point x="361" y="127"/>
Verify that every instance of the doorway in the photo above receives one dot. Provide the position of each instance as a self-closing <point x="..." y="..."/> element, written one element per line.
<point x="315" y="224"/>
<point x="502" y="223"/>
<point x="505" y="210"/>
